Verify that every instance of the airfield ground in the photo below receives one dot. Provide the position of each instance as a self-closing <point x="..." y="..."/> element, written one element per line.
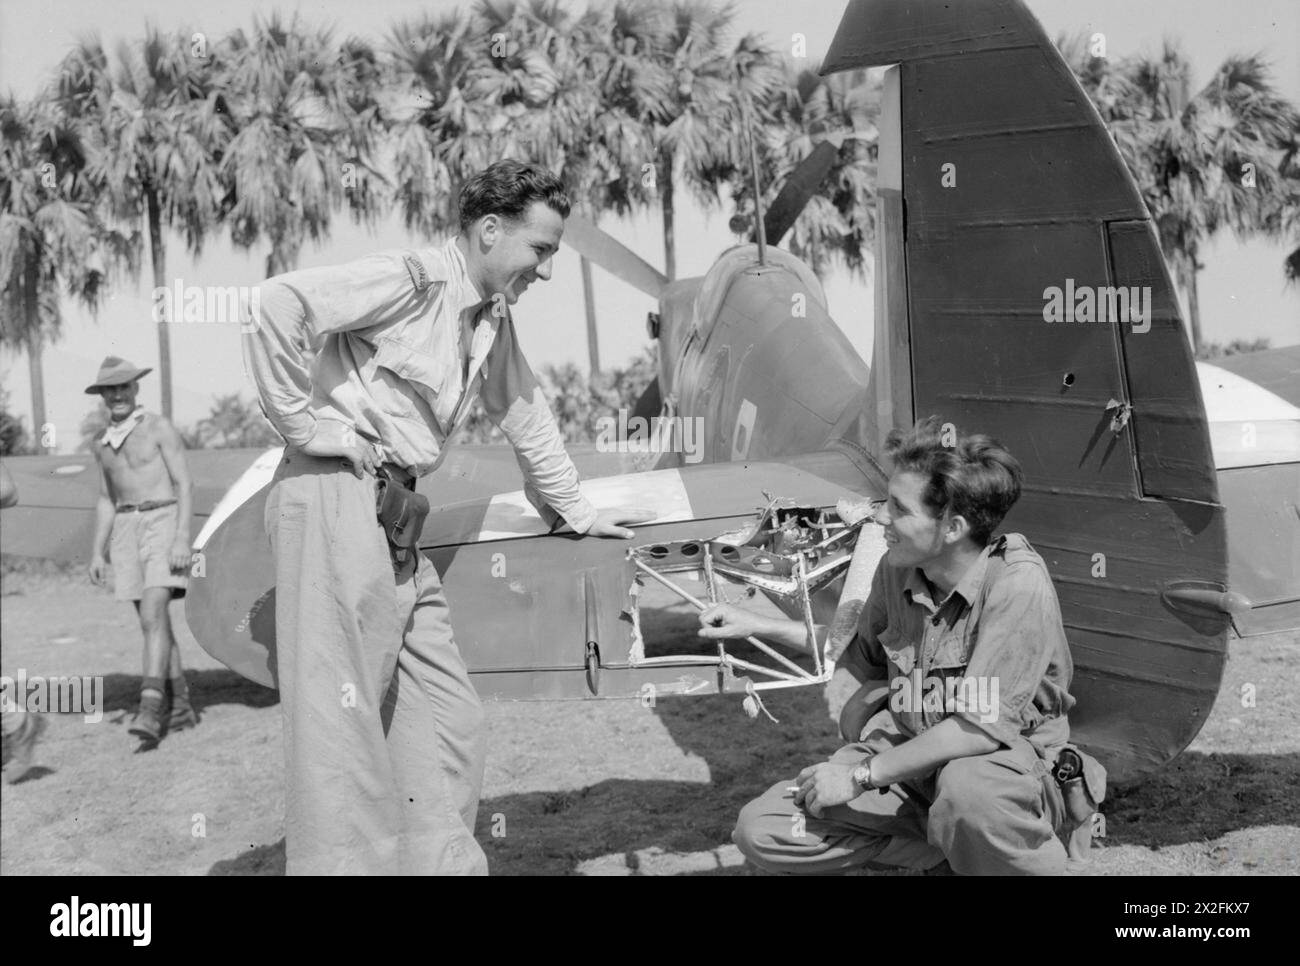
<point x="576" y="787"/>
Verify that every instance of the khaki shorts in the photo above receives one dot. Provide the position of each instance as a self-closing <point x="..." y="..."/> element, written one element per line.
<point x="141" y="544"/>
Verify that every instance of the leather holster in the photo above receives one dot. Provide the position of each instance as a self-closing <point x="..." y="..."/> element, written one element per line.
<point x="401" y="512"/>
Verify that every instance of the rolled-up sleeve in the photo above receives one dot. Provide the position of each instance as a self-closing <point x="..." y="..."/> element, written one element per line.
<point x="274" y="344"/>
<point x="515" y="403"/>
<point x="1019" y="633"/>
<point x="286" y="314"/>
<point x="864" y="658"/>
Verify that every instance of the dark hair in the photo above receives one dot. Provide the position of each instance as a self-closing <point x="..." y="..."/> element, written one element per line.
<point x="974" y="476"/>
<point x="508" y="188"/>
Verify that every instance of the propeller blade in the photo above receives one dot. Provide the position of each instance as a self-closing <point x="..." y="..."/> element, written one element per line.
<point x="613" y="256"/>
<point x="798" y="190"/>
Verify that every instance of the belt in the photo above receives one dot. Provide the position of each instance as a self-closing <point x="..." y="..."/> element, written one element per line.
<point x="146" y="505"/>
<point x="388" y="471"/>
<point x="398" y="474"/>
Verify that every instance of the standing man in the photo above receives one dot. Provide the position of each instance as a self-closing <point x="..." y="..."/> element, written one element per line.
<point x="144" y="508"/>
<point x="382" y="729"/>
<point x="965" y="675"/>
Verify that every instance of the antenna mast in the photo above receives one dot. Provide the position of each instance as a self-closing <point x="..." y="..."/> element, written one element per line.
<point x="761" y="230"/>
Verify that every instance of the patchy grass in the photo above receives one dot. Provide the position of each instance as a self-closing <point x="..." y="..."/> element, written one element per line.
<point x="606" y="787"/>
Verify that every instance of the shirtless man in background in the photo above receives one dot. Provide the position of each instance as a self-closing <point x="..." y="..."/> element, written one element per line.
<point x="144" y="507"/>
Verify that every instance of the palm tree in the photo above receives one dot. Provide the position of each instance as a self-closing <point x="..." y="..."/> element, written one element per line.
<point x="437" y="133"/>
<point x="1194" y="156"/>
<point x="627" y="61"/>
<point x="509" y="79"/>
<point x="624" y="62"/>
<point x="48" y="233"/>
<point x="1289" y="170"/>
<point x="542" y="85"/>
<point x="715" y="88"/>
<point x="154" y="126"/>
<point x="305" y="120"/>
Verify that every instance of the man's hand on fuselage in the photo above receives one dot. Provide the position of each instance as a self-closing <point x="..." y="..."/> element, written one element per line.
<point x="609" y="522"/>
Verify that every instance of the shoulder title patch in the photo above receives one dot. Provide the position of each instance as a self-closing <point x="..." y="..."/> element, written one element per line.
<point x="419" y="274"/>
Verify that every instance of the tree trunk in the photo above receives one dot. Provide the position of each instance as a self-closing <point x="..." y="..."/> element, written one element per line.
<point x="1194" y="307"/>
<point x="37" y="375"/>
<point x="589" y="302"/>
<point x="32" y="313"/>
<point x="282" y="257"/>
<point x="277" y="262"/>
<point x="666" y="201"/>
<point x="160" y="282"/>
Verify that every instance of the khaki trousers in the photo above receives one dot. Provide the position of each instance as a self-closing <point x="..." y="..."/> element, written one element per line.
<point x="383" y="732"/>
<point x="993" y="814"/>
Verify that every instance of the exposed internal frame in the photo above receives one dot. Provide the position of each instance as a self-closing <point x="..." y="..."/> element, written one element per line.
<point x="785" y="557"/>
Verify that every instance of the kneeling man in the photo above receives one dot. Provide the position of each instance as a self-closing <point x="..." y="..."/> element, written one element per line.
<point x="965" y="674"/>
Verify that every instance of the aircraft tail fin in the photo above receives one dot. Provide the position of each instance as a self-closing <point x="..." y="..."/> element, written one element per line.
<point x="1024" y="296"/>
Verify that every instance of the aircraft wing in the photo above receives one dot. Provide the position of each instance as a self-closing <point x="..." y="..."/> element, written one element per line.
<point x="472" y="472"/>
<point x="541" y="615"/>
<point x="55" y="515"/>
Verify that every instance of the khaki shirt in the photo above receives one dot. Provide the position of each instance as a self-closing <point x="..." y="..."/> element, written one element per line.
<point x="1001" y="623"/>
<point x="386" y="332"/>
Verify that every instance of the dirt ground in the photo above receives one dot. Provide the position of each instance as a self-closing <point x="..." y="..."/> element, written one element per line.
<point x="590" y="788"/>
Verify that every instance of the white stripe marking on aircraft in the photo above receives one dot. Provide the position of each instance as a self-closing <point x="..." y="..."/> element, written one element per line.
<point x="252" y="480"/>
<point x="660" y="491"/>
<point x="1249" y="426"/>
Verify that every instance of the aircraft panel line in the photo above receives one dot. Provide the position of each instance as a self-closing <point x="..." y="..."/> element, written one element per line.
<point x="1144" y="638"/>
<point x="978" y="134"/>
<point x="1129" y="675"/>
<point x="1061" y="402"/>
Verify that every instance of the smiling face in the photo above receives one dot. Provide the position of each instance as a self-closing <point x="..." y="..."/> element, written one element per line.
<point x="120" y="400"/>
<point x="514" y="254"/>
<point x="913" y="534"/>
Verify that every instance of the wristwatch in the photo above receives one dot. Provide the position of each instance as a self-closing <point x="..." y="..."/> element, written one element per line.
<point x="862" y="776"/>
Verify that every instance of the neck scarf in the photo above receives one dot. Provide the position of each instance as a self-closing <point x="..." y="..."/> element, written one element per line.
<point x="117" y="433"/>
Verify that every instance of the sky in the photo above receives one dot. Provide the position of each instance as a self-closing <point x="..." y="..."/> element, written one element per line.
<point x="1241" y="288"/>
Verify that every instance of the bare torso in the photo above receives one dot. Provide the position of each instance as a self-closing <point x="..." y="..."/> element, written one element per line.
<point x="136" y="471"/>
